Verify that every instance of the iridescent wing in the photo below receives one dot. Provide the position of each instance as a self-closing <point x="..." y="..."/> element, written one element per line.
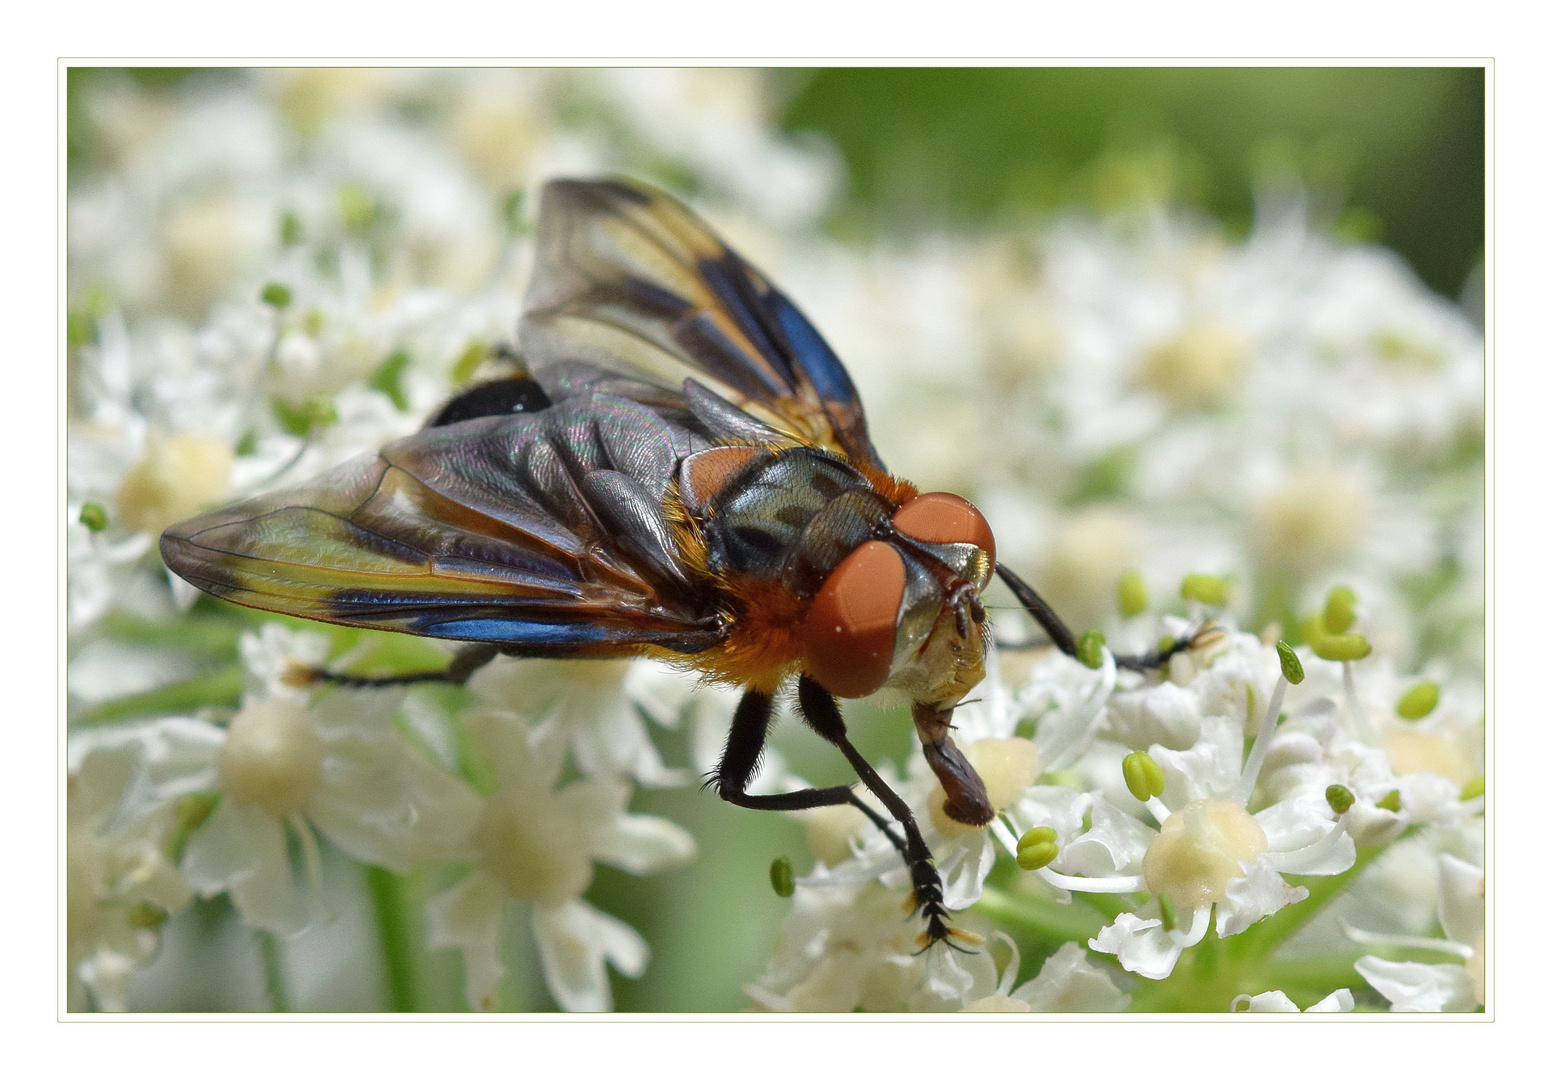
<point x="627" y="277"/>
<point x="541" y="532"/>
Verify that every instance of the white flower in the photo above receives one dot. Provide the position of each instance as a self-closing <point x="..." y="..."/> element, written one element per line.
<point x="534" y="843"/>
<point x="338" y="765"/>
<point x="1275" y="1001"/>
<point x="121" y="881"/>
<point x="1411" y="986"/>
<point x="718" y="119"/>
<point x="1209" y="852"/>
<point x="1068" y="982"/>
<point x="589" y="705"/>
<point x="1344" y="729"/>
<point x="847" y="947"/>
<point x="277" y="658"/>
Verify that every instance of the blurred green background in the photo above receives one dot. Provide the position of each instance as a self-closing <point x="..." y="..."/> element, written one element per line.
<point x="1393" y="154"/>
<point x="1388" y="154"/>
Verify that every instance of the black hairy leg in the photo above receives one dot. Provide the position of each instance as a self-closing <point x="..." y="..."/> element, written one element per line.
<point x="1063" y="638"/>
<point x="820" y="712"/>
<point x="740" y="758"/>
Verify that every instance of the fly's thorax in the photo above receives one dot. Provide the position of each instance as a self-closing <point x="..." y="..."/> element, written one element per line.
<point x="757" y="522"/>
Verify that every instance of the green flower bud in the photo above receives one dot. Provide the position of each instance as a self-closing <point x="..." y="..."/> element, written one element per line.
<point x="1205" y="588"/>
<point x="146" y="916"/>
<point x="512" y="210"/>
<point x="1419" y="701"/>
<point x="1341" y="647"/>
<point x="1040" y="834"/>
<point x="1474" y="789"/>
<point x="1313" y="629"/>
<point x="188" y="814"/>
<point x="389" y="379"/>
<point x="1144" y="776"/>
<point x="276" y="296"/>
<point x="359" y="210"/>
<point x="191" y="810"/>
<point x="1132" y="594"/>
<point x="300" y="420"/>
<point x="94" y="517"/>
<point x="1391" y="802"/>
<point x="468" y="362"/>
<point x="1293" y="671"/>
<point x="1035" y="856"/>
<point x="1339" y="614"/>
<point x="1091" y="649"/>
<point x="781" y="875"/>
<point x="1339" y="798"/>
<point x="1165" y="644"/>
<point x="290" y="229"/>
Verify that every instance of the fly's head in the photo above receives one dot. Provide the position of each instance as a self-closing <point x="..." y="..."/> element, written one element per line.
<point x="904" y="611"/>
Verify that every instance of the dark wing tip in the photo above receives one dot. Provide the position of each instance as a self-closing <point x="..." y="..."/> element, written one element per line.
<point x="600" y="191"/>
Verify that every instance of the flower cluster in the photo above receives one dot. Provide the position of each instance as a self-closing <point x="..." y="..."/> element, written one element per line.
<point x="272" y="272"/>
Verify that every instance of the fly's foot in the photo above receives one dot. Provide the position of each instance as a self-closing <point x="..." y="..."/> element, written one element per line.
<point x="926" y="899"/>
<point x="1203" y="636"/>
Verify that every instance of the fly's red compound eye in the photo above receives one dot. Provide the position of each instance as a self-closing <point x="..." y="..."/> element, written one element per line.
<point x="941" y="517"/>
<point x="849" y="635"/>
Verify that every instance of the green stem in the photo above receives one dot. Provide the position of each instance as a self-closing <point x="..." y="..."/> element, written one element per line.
<point x="211" y="635"/>
<point x="219" y="688"/>
<point x="395" y="935"/>
<point x="1038" y="917"/>
<point x="1264" y="938"/>
<point x="1316" y="975"/>
<point x="274" y="972"/>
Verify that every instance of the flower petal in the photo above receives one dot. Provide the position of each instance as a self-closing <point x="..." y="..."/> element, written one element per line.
<point x="242" y="850"/>
<point x="574" y="941"/>
<point x="1462" y="905"/>
<point x="1142" y="945"/>
<point x="642" y="844"/>
<point x="1255" y="896"/>
<point x="385" y="803"/>
<point x="965" y="868"/>
<point x="468" y="918"/>
<point x="1414" y="987"/>
<point x="1070" y="982"/>
<point x="1114" y="844"/>
<point x="1338" y="1001"/>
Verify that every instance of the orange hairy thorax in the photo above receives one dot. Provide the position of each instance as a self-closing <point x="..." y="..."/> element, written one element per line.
<point x="764" y="644"/>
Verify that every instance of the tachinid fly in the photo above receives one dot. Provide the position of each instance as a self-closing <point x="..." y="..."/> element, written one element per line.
<point x="680" y="468"/>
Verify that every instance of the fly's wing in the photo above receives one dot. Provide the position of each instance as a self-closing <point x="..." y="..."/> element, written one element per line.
<point x="536" y="532"/>
<point x="627" y="275"/>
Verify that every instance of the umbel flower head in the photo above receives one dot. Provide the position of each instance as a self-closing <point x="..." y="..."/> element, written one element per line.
<point x="535" y="843"/>
<point x="122" y="882"/>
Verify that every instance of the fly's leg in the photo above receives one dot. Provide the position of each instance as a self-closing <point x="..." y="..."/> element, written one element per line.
<point x="466" y="661"/>
<point x="1062" y="637"/>
<point x="819" y="710"/>
<point x="740" y="758"/>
